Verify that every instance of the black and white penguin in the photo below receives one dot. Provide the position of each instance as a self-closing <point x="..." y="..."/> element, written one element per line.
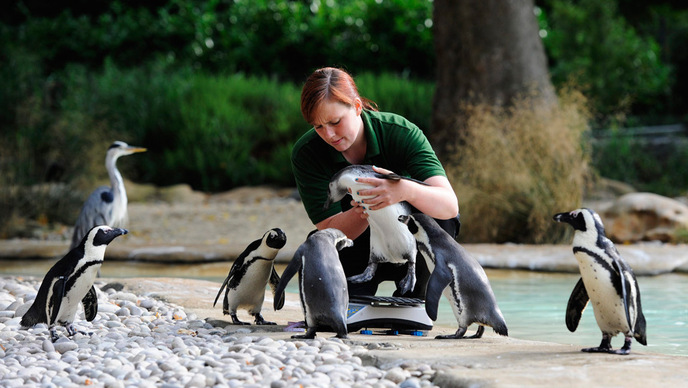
<point x="70" y="281"/>
<point x="606" y="280"/>
<point x="458" y="275"/>
<point x="322" y="283"/>
<point x="390" y="242"/>
<point x="252" y="270"/>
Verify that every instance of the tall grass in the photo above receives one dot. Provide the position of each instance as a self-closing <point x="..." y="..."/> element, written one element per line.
<point x="516" y="167"/>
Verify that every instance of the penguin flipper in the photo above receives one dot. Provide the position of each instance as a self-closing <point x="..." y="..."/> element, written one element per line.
<point x="274" y="282"/>
<point x="396" y="177"/>
<point x="224" y="284"/>
<point x="292" y="268"/>
<point x="58" y="295"/>
<point x="90" y="302"/>
<point x="34" y="314"/>
<point x="640" y="323"/>
<point x="625" y="286"/>
<point x="639" y="329"/>
<point x="438" y="281"/>
<point x="577" y="302"/>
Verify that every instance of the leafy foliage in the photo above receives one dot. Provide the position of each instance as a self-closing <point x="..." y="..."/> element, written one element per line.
<point x="614" y="66"/>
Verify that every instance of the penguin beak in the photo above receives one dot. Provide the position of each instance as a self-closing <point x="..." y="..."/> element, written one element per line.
<point x="105" y="236"/>
<point x="403" y="219"/>
<point x="562" y="217"/>
<point x="114" y="233"/>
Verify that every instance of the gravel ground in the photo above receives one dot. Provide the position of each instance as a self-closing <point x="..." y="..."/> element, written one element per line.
<point x="139" y="341"/>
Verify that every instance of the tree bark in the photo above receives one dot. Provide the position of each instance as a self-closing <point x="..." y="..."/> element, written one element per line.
<point x="488" y="51"/>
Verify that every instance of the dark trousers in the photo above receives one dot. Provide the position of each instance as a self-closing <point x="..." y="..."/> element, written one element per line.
<point x="355" y="260"/>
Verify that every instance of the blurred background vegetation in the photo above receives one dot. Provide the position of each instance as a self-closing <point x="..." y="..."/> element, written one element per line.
<point x="211" y="87"/>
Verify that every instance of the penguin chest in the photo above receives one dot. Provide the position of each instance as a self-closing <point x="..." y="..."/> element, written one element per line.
<point x="77" y="286"/>
<point x="250" y="290"/>
<point x="605" y="300"/>
<point x="390" y="240"/>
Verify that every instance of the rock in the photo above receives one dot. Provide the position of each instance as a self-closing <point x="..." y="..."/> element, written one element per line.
<point x="180" y="193"/>
<point x="645" y="217"/>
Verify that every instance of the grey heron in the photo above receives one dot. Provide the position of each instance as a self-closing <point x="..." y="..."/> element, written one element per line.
<point x="106" y="205"/>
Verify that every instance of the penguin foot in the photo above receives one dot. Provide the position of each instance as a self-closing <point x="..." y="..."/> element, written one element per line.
<point x="260" y="321"/>
<point x="53" y="335"/>
<point x="625" y="349"/>
<point x="236" y="321"/>
<point x="407" y="283"/>
<point x="366" y="276"/>
<point x="70" y="329"/>
<point x="310" y="334"/>
<point x="479" y="332"/>
<point x="458" y="335"/>
<point x="597" y="350"/>
<point x="605" y="346"/>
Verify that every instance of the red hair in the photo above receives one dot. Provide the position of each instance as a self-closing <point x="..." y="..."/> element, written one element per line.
<point x="331" y="84"/>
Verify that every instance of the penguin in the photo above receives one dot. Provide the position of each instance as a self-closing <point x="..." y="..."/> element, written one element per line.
<point x="322" y="283"/>
<point x="248" y="276"/>
<point x="389" y="240"/>
<point x="607" y="281"/>
<point x="458" y="276"/>
<point x="70" y="281"/>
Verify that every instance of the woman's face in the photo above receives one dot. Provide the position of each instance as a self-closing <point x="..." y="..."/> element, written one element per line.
<point x="339" y="125"/>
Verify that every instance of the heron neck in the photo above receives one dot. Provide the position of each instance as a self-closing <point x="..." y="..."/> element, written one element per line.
<point x="116" y="181"/>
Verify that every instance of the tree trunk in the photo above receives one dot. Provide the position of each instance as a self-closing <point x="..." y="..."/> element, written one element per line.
<point x="488" y="51"/>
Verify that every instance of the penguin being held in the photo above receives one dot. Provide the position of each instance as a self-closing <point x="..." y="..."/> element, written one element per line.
<point x="70" y="281"/>
<point x="322" y="283"/>
<point x="606" y="280"/>
<point x="458" y="276"/>
<point x="389" y="240"/>
<point x="252" y="270"/>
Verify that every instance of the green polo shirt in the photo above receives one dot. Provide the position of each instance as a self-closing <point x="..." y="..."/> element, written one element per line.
<point x="393" y="143"/>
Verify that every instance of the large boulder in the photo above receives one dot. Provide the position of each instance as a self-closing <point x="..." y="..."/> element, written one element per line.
<point x="645" y="217"/>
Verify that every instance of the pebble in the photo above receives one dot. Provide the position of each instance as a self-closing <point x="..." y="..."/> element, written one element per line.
<point x="141" y="341"/>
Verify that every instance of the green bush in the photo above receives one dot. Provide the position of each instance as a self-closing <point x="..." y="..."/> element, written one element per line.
<point x="619" y="70"/>
<point x="659" y="168"/>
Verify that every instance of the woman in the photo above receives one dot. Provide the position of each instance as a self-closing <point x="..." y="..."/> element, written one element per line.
<point x="348" y="129"/>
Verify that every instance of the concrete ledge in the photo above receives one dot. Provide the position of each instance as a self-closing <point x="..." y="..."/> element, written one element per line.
<point x="645" y="259"/>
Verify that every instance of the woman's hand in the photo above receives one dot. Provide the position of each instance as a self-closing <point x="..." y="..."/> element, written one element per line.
<point x="436" y="199"/>
<point x="359" y="209"/>
<point x="385" y="192"/>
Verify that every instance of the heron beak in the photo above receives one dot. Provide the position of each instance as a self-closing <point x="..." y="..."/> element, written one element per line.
<point x="137" y="149"/>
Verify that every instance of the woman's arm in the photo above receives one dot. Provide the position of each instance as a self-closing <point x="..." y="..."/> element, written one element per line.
<point x="352" y="222"/>
<point x="437" y="199"/>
